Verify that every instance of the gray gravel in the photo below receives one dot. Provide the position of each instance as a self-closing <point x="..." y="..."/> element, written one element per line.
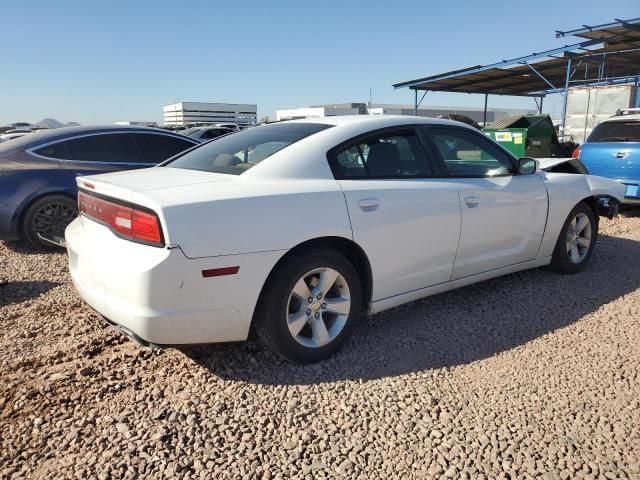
<point x="534" y="375"/>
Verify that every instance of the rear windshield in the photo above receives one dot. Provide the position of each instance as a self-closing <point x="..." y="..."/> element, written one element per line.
<point x="616" y="132"/>
<point x="235" y="154"/>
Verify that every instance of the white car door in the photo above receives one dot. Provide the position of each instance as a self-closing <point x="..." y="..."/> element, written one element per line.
<point x="503" y="213"/>
<point x="407" y="223"/>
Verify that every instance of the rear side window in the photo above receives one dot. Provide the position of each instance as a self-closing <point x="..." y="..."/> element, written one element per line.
<point x="388" y="155"/>
<point x="158" y="148"/>
<point x="235" y="154"/>
<point x="58" y="150"/>
<point x="616" y="132"/>
<point x="108" y="148"/>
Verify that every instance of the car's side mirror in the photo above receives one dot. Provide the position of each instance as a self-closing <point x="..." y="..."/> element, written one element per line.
<point x="527" y="166"/>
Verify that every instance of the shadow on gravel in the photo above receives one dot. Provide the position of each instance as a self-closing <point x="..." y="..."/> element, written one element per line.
<point x="24" y="248"/>
<point x="630" y="211"/>
<point x="17" y="292"/>
<point x="449" y="329"/>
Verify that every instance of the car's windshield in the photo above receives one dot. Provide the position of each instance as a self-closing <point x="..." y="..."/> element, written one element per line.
<point x="616" y="132"/>
<point x="189" y="131"/>
<point x="235" y="154"/>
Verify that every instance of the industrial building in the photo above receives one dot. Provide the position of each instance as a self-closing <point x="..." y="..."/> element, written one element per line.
<point x="314" y="112"/>
<point x="476" y="114"/>
<point x="202" y="113"/>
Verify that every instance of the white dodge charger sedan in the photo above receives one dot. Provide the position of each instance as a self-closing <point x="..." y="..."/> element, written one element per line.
<point x="292" y="230"/>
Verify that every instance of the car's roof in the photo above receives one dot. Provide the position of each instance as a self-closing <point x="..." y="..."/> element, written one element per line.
<point x="44" y="136"/>
<point x="374" y="121"/>
<point x="623" y="118"/>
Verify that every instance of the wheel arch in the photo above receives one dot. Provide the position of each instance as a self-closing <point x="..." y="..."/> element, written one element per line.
<point x="348" y="248"/>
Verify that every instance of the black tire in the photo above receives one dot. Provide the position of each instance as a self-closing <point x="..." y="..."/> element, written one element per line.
<point x="561" y="261"/>
<point x="272" y="312"/>
<point x="48" y="216"/>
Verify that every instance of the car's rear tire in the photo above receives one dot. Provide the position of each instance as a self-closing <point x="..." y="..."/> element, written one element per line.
<point x="576" y="241"/>
<point x="307" y="330"/>
<point x="48" y="217"/>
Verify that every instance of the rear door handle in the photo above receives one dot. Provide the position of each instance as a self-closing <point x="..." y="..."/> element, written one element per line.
<point x="472" y="201"/>
<point x="369" y="204"/>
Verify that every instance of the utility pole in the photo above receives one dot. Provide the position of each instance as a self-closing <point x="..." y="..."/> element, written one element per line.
<point x="370" y="100"/>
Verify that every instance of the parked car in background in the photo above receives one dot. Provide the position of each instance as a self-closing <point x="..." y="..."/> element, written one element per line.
<point x="232" y="126"/>
<point x="461" y="118"/>
<point x="14" y="126"/>
<point x="38" y="173"/>
<point x="206" y="133"/>
<point x="15" y="133"/>
<point x="613" y="150"/>
<point x="293" y="229"/>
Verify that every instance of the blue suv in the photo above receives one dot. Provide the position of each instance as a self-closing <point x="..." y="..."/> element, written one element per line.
<point x="613" y="150"/>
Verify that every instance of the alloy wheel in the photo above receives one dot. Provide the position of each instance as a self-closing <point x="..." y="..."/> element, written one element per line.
<point x="578" y="238"/>
<point x="318" y="307"/>
<point x="52" y="219"/>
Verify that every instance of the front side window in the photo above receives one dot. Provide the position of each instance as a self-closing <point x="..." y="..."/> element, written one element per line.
<point x="616" y="132"/>
<point x="235" y="154"/>
<point x="107" y="148"/>
<point x="387" y="155"/>
<point x="468" y="155"/>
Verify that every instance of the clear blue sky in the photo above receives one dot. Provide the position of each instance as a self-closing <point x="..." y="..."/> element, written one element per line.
<point x="102" y="61"/>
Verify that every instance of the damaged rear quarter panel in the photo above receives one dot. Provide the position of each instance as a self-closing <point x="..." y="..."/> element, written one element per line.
<point x="565" y="191"/>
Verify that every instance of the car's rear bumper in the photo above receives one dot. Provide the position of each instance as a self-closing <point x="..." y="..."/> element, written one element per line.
<point x="632" y="194"/>
<point x="159" y="296"/>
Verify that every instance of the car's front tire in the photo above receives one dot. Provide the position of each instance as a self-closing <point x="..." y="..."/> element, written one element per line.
<point x="576" y="242"/>
<point x="309" y="305"/>
<point x="47" y="218"/>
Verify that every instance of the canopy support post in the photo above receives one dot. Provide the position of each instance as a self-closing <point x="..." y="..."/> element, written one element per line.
<point x="540" y="75"/>
<point x="484" y="115"/>
<point x="564" y="103"/>
<point x="417" y="103"/>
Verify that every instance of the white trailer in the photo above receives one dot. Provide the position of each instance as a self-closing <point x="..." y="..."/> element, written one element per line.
<point x="588" y="106"/>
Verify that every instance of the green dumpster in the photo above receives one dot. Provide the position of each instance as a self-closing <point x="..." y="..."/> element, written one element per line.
<point x="524" y="135"/>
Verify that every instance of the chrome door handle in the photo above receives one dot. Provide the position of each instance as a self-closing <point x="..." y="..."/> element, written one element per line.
<point x="472" y="201"/>
<point x="369" y="204"/>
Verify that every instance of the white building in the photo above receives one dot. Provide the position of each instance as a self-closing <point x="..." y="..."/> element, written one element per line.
<point x="201" y="113"/>
<point x="314" y="112"/>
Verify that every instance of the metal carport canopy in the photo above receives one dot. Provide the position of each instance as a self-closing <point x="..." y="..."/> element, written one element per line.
<point x="610" y="54"/>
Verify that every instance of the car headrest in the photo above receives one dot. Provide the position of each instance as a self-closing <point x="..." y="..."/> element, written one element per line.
<point x="383" y="159"/>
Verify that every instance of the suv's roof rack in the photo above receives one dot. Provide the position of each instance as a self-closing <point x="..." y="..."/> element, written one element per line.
<point x="627" y="111"/>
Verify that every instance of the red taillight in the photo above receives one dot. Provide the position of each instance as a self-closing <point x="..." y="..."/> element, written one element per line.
<point x="127" y="222"/>
<point x="576" y="153"/>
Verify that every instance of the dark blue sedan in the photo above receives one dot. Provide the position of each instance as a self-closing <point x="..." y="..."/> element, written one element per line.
<point x="38" y="173"/>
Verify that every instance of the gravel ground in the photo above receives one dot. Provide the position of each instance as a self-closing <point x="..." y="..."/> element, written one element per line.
<point x="534" y="375"/>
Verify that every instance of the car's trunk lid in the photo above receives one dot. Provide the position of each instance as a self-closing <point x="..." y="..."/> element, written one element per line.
<point x="122" y="184"/>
